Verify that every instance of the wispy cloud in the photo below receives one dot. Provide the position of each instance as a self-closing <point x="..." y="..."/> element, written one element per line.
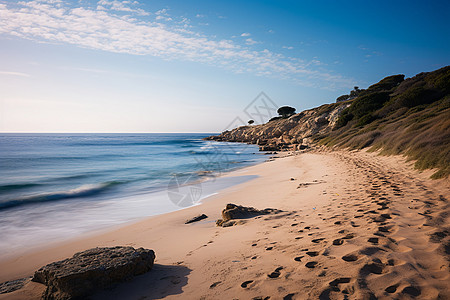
<point x="368" y="53"/>
<point x="14" y="74"/>
<point x="245" y="34"/>
<point x="123" y="27"/>
<point x="123" y="6"/>
<point x="250" y="41"/>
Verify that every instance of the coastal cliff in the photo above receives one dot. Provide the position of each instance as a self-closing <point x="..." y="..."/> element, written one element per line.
<point x="396" y="115"/>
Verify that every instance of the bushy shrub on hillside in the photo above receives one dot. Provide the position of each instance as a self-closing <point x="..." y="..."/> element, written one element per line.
<point x="363" y="107"/>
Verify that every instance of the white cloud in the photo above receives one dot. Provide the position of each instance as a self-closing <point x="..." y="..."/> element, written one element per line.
<point x="123" y="6"/>
<point x="245" y="34"/>
<point x="250" y="41"/>
<point x="103" y="29"/>
<point x="14" y="74"/>
<point x="288" y="47"/>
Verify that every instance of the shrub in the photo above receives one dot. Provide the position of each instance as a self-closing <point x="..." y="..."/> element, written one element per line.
<point x="286" y="111"/>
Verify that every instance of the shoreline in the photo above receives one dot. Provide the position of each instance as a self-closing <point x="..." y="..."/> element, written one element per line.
<point x="332" y="192"/>
<point x="101" y="231"/>
<point x="211" y="184"/>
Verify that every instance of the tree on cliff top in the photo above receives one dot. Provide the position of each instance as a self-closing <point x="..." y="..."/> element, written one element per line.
<point x="286" y="111"/>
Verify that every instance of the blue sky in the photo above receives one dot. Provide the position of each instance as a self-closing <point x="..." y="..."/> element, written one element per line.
<point x="193" y="66"/>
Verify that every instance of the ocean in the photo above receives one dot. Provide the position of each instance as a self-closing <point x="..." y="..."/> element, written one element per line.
<point x="58" y="186"/>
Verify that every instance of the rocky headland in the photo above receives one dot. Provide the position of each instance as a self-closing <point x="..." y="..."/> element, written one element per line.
<point x="396" y="115"/>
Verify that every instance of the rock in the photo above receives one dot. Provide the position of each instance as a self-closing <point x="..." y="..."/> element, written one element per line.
<point x="13" y="285"/>
<point x="270" y="147"/>
<point x="285" y="133"/>
<point x="196" y="219"/>
<point x="97" y="268"/>
<point x="233" y="211"/>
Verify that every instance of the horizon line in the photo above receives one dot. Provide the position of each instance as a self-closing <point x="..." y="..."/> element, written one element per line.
<point x="98" y="132"/>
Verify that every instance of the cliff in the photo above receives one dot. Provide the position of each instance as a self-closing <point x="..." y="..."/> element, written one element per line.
<point x="397" y="116"/>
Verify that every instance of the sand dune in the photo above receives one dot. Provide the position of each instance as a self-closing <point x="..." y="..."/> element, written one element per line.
<point x="354" y="226"/>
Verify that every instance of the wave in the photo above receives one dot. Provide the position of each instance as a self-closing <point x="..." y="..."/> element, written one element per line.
<point x="79" y="192"/>
<point x="17" y="186"/>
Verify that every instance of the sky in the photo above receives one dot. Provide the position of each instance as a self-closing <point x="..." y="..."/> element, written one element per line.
<point x="198" y="65"/>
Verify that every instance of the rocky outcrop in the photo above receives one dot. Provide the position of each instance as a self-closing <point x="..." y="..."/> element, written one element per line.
<point x="196" y="219"/>
<point x="293" y="133"/>
<point x="97" y="268"/>
<point x="233" y="212"/>
<point x="13" y="285"/>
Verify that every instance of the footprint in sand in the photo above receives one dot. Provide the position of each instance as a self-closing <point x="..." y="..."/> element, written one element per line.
<point x="289" y="296"/>
<point x="338" y="242"/>
<point x="386" y="229"/>
<point x="317" y="240"/>
<point x="298" y="258"/>
<point x="412" y="290"/>
<point x="373" y="240"/>
<point x="246" y="283"/>
<point x="215" y="284"/>
<point x="349" y="236"/>
<point x="350" y="257"/>
<point x="276" y="273"/>
<point x="335" y="283"/>
<point x="311" y="264"/>
<point x="312" y="253"/>
<point x="376" y="267"/>
<point x="391" y="289"/>
<point x="354" y="224"/>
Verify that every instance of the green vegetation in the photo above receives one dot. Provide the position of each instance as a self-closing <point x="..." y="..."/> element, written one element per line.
<point x="353" y="94"/>
<point x="286" y="111"/>
<point x="397" y="116"/>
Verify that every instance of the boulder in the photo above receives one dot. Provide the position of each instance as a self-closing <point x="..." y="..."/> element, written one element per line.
<point x="233" y="211"/>
<point x="196" y="219"/>
<point x="271" y="147"/>
<point x="97" y="268"/>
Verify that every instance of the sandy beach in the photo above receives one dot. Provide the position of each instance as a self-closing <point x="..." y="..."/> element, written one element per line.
<point x="354" y="226"/>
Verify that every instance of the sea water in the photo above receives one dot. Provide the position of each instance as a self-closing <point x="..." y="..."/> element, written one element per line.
<point x="58" y="186"/>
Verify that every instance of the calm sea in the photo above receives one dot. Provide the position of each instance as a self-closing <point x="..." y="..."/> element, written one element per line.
<point x="58" y="186"/>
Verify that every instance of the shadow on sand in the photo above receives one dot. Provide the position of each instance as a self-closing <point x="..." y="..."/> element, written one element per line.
<point x="161" y="281"/>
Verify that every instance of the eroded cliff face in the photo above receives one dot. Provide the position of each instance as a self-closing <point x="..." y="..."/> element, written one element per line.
<point x="292" y="133"/>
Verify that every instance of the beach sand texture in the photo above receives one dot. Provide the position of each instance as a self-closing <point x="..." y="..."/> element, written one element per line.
<point x="354" y="226"/>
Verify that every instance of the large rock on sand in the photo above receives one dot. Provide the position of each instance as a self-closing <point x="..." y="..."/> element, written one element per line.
<point x="233" y="211"/>
<point x="97" y="268"/>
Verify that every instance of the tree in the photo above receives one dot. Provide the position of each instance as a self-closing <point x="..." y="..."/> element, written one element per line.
<point x="250" y="122"/>
<point x="286" y="111"/>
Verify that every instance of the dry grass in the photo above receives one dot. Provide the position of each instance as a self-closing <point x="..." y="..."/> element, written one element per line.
<point x="419" y="129"/>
